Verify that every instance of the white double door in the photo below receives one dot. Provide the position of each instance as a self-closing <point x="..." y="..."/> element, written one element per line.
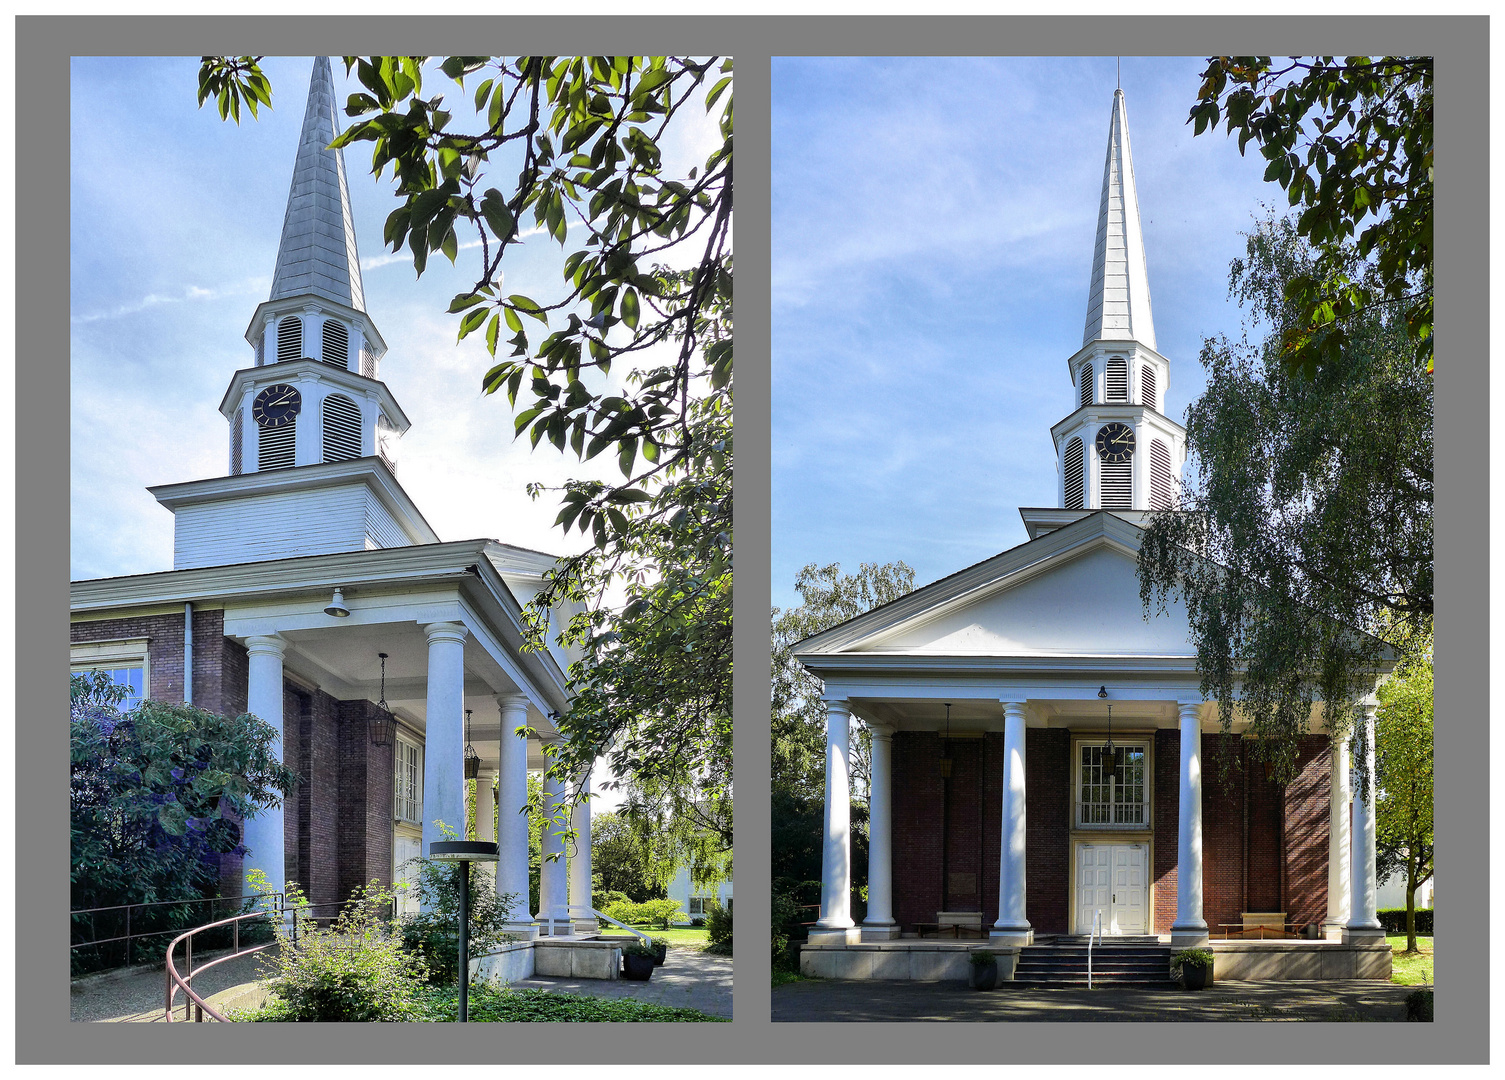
<point x="1112" y="879"/>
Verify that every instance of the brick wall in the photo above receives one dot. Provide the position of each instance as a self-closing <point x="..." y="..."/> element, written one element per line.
<point x="1307" y="832"/>
<point x="1047" y="828"/>
<point x="964" y="827"/>
<point x="1166" y="811"/>
<point x="916" y="827"/>
<point x="365" y="800"/>
<point x="1223" y="855"/>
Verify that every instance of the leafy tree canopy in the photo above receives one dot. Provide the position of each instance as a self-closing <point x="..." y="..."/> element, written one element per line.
<point x="1307" y="523"/>
<point x="620" y="858"/>
<point x="648" y="283"/>
<point x="1403" y="767"/>
<point x="1350" y="142"/>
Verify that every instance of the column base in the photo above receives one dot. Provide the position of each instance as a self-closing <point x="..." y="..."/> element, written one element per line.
<point x="587" y="927"/>
<point x="557" y="926"/>
<point x="835" y="935"/>
<point x="522" y="931"/>
<point x="884" y="931"/>
<point x="1011" y="935"/>
<point x="1363" y="935"/>
<point x="1332" y="930"/>
<point x="1190" y="937"/>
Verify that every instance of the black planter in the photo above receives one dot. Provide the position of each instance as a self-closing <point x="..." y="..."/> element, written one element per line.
<point x="660" y="953"/>
<point x="1195" y="978"/>
<point x="984" y="976"/>
<point x="637" y="968"/>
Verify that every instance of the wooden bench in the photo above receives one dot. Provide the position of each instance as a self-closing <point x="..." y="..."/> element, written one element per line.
<point x="957" y="922"/>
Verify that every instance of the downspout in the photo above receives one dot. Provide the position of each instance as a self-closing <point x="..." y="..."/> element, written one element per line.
<point x="188" y="654"/>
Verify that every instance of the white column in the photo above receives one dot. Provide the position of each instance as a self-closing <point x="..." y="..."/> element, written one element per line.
<point x="836" y="853"/>
<point x="552" y="895"/>
<point x="1363" y="923"/>
<point x="1012" y="927"/>
<point x="444" y="732"/>
<point x="1339" y="867"/>
<point x="512" y="818"/>
<point x="879" y="924"/>
<point x="485" y="827"/>
<point x="1189" y="930"/>
<point x="262" y="834"/>
<point x="580" y="862"/>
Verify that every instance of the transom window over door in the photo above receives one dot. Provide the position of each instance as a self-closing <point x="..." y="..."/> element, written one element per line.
<point x="1120" y="800"/>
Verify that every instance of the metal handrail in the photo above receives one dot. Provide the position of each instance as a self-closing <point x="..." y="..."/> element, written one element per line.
<point x="176" y="982"/>
<point x="129" y="937"/>
<point x="1096" y="935"/>
<point x="572" y="908"/>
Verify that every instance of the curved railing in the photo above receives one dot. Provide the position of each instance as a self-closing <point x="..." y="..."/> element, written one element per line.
<point x="590" y="911"/>
<point x="184" y="982"/>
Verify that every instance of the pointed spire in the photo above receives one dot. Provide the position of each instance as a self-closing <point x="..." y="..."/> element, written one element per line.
<point x="1118" y="305"/>
<point x="317" y="255"/>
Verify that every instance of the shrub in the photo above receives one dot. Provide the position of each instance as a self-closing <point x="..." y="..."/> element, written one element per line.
<point x="1394" y="921"/>
<point x="784" y="916"/>
<point x="355" y="970"/>
<point x="434" y="932"/>
<point x="658" y="913"/>
<point x="1419" y="1005"/>
<point x="982" y="958"/>
<point x="635" y="947"/>
<point x="1201" y="958"/>
<point x="719" y="928"/>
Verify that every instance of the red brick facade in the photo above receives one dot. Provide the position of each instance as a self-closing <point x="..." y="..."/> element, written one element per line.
<point x="337" y="825"/>
<point x="1264" y="847"/>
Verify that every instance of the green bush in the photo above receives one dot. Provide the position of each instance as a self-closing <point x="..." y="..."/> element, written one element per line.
<point x="982" y="958"/>
<point x="784" y="916"/>
<point x="635" y="947"/>
<point x="1394" y="921"/>
<point x="1419" y="1005"/>
<point x="718" y="924"/>
<point x="1201" y="958"/>
<point x="355" y="970"/>
<point x="660" y="913"/>
<point x="434" y="932"/>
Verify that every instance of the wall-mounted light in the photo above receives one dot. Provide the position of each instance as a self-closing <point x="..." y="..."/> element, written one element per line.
<point x="337" y="606"/>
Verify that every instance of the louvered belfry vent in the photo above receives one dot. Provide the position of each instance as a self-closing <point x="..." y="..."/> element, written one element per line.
<point x="290" y="339"/>
<point x="1147" y="388"/>
<point x="1073" y="473"/>
<point x="237" y="442"/>
<point x="1118" y="485"/>
<point x="1116" y="380"/>
<point x="1086" y="398"/>
<point x="342" y="429"/>
<point x="336" y="345"/>
<point x="261" y="350"/>
<point x="368" y="362"/>
<point x="279" y="448"/>
<point x="1162" y="487"/>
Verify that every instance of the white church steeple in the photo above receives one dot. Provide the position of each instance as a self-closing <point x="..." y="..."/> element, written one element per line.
<point x="1116" y="450"/>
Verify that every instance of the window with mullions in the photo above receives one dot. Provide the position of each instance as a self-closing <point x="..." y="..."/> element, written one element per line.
<point x="1120" y="799"/>
<point x="408" y="785"/>
<point x="132" y="678"/>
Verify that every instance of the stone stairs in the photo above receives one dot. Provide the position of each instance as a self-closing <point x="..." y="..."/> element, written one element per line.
<point x="1119" y="961"/>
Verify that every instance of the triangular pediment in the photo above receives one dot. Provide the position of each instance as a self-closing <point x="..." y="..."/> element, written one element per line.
<point x="1072" y="592"/>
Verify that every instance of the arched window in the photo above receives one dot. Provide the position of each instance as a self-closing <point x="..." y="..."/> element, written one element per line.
<point x="1116" y="380"/>
<point x="1086" y="398"/>
<point x="278" y="448"/>
<point x="342" y="429"/>
<point x="1162" y="486"/>
<point x="237" y="441"/>
<point x="1147" y="388"/>
<point x="336" y="345"/>
<point x="368" y="361"/>
<point x="1073" y="474"/>
<point x="290" y="339"/>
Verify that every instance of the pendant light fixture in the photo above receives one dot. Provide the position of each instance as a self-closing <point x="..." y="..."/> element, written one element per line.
<point x="383" y="723"/>
<point x="1110" y="752"/>
<point x="946" y="746"/>
<point x="472" y="759"/>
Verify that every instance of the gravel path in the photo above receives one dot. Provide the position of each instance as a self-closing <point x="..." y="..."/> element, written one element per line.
<point x="689" y="979"/>
<point x="138" y="994"/>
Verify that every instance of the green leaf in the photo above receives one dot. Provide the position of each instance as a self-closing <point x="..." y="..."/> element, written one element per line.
<point x="630" y="309"/>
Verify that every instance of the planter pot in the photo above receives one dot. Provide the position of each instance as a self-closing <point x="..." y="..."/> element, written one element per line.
<point x="660" y="954"/>
<point x="637" y="968"/>
<point x="1195" y="978"/>
<point x="984" y="976"/>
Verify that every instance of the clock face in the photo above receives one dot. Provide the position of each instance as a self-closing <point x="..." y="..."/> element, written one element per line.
<point x="277" y="406"/>
<point x="1115" y="442"/>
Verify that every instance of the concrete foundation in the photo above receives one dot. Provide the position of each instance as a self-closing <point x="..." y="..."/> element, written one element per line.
<point x="902" y="961"/>
<point x="1280" y="961"/>
<point x="570" y="958"/>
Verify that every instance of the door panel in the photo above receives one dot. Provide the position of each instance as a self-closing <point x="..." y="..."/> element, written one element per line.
<point x="1094" y="885"/>
<point x="405" y="847"/>
<point x="1112" y="878"/>
<point x="1128" y="889"/>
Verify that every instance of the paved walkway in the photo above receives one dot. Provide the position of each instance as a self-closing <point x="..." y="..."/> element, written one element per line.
<point x="138" y="994"/>
<point x="855" y="1000"/>
<point x="689" y="979"/>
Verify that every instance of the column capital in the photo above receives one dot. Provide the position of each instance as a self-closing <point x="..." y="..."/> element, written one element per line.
<point x="881" y="731"/>
<point x="1189" y="709"/>
<point x="1012" y="708"/>
<point x="445" y="631"/>
<point x="267" y="645"/>
<point x="838" y="704"/>
<point x="512" y="700"/>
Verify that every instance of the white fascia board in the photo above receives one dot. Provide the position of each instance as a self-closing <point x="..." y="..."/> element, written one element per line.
<point x="1039" y="520"/>
<point x="369" y="470"/>
<point x="286" y="370"/>
<point x="538" y="674"/>
<point x="1109" y="347"/>
<point x="1001" y="571"/>
<point x="296" y="305"/>
<point x="286" y="577"/>
<point x="1117" y="410"/>
<point x="511" y="559"/>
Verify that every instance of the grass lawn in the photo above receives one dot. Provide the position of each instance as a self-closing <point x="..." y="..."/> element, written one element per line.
<point x="782" y="977"/>
<point x="679" y="937"/>
<point x="490" y="1005"/>
<point x="1409" y="969"/>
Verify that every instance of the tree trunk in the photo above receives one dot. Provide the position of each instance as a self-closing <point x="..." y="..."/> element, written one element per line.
<point x="1410" y="903"/>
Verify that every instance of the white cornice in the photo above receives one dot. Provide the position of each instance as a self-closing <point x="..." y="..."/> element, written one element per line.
<point x="1117" y="410"/>
<point x="296" y="304"/>
<point x="287" y="370"/>
<point x="368" y="471"/>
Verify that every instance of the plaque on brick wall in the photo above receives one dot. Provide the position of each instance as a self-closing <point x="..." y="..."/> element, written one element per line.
<point x="962" y="884"/>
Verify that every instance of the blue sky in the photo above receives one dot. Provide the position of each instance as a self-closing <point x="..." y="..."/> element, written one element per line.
<point x="933" y="226"/>
<point x="175" y="221"/>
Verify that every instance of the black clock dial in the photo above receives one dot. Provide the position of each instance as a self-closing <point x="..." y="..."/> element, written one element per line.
<point x="277" y="406"/>
<point x="1115" y="442"/>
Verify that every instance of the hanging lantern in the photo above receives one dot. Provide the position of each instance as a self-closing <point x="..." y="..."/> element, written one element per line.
<point x="472" y="759"/>
<point x="946" y="746"/>
<point x="383" y="723"/>
<point x="1109" y="756"/>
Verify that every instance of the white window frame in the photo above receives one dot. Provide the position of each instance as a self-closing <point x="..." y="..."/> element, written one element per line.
<point x="1146" y="803"/>
<point x="413" y="802"/>
<point x="122" y="653"/>
<point x="697" y="906"/>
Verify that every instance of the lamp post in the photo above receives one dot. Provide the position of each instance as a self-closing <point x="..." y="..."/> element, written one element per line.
<point x="464" y="852"/>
